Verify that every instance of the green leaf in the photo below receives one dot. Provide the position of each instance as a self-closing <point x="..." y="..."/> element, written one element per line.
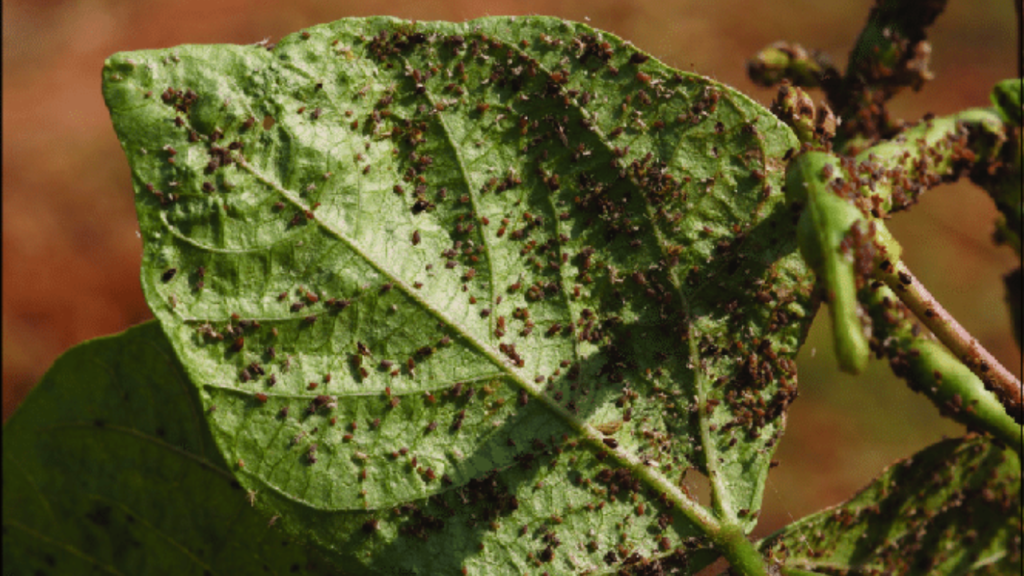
<point x="471" y="295"/>
<point x="953" y="508"/>
<point x="109" y="467"/>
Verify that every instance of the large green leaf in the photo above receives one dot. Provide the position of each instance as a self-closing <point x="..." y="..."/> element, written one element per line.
<point x="420" y="271"/>
<point x="110" y="468"/>
<point x="952" y="509"/>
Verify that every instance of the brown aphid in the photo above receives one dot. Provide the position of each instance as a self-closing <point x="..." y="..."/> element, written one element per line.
<point x="238" y="344"/>
<point x="261" y="398"/>
<point x="416" y="238"/>
<point x="168" y="274"/>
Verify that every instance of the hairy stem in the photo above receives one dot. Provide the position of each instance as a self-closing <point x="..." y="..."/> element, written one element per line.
<point x="967" y="348"/>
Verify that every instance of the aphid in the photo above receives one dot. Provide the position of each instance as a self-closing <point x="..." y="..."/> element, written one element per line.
<point x="238" y="344"/>
<point x="168" y="274"/>
<point x="261" y="398"/>
<point x="416" y="238"/>
<point x="432" y="426"/>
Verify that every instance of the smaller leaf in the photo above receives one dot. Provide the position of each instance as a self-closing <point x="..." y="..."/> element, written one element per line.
<point x="953" y="508"/>
<point x="109" y="467"/>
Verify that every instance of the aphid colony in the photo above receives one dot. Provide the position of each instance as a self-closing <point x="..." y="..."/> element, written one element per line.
<point x="578" y="257"/>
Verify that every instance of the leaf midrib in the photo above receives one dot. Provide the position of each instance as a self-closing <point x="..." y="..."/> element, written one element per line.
<point x="690" y="508"/>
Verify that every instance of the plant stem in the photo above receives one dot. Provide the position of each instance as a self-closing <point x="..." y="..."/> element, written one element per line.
<point x="741" y="553"/>
<point x="890" y="54"/>
<point x="945" y="327"/>
<point x="933" y="152"/>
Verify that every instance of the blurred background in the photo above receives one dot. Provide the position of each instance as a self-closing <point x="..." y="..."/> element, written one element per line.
<point x="71" y="254"/>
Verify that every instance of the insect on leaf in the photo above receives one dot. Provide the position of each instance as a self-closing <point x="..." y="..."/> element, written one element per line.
<point x="954" y="508"/>
<point x="516" y="230"/>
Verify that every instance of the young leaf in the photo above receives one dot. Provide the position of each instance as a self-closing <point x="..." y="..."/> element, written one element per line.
<point x="954" y="508"/>
<point x="109" y="467"/>
<point x="447" y="281"/>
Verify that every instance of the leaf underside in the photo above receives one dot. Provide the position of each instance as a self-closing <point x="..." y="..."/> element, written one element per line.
<point x="952" y="509"/>
<point x="444" y="287"/>
<point x="110" y="469"/>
